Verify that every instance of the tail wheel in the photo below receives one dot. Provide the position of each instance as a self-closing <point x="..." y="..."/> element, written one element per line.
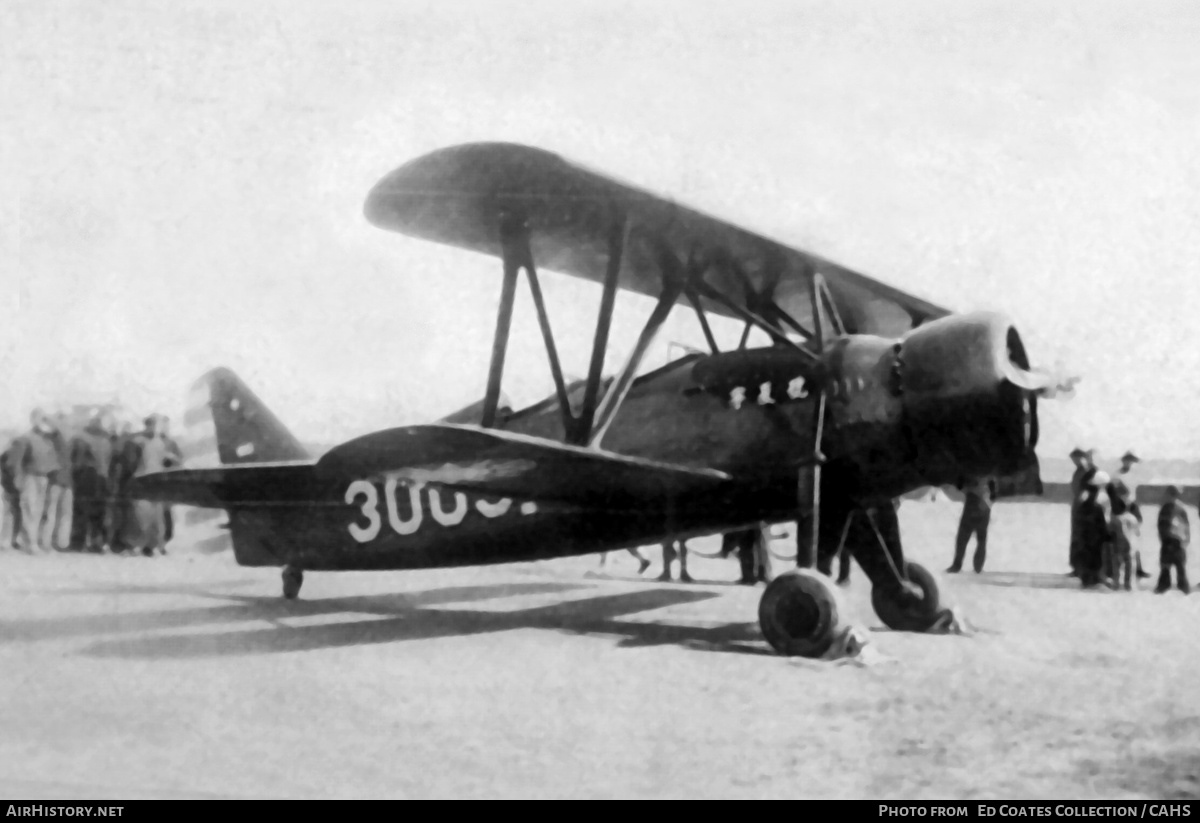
<point x="293" y="578"/>
<point x="798" y="614"/>
<point x="908" y="608"/>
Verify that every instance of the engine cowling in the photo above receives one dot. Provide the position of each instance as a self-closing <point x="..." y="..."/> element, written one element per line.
<point x="969" y="401"/>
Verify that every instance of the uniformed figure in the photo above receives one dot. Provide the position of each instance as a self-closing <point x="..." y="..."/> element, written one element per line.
<point x="1124" y="526"/>
<point x="1084" y="470"/>
<point x="672" y="549"/>
<point x="35" y="460"/>
<point x="1127" y="476"/>
<point x="1174" y="532"/>
<point x="976" y="515"/>
<point x="10" y="500"/>
<point x="1094" y="514"/>
<point x="91" y="461"/>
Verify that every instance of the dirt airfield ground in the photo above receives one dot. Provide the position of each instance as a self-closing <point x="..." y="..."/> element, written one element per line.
<point x="187" y="676"/>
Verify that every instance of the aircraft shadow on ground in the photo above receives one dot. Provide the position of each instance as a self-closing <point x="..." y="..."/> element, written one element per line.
<point x="244" y="608"/>
<point x="406" y="616"/>
<point x="407" y="620"/>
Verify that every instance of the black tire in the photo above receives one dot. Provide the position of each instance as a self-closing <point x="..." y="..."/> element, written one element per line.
<point x="293" y="579"/>
<point x="902" y="611"/>
<point x="798" y="614"/>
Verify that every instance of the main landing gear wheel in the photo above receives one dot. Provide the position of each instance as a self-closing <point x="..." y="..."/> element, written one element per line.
<point x="293" y="578"/>
<point x="798" y="614"/>
<point x="912" y="608"/>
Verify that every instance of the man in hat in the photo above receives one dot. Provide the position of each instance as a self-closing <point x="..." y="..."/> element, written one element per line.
<point x="1121" y="503"/>
<point x="1084" y="471"/>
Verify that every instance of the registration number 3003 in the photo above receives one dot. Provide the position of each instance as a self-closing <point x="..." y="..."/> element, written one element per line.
<point x="407" y="506"/>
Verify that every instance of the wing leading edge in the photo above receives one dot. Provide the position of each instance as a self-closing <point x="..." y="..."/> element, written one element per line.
<point x="512" y="465"/>
<point x="455" y="196"/>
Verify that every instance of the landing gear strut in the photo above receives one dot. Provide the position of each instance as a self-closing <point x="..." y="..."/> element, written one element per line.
<point x="798" y="613"/>
<point x="293" y="578"/>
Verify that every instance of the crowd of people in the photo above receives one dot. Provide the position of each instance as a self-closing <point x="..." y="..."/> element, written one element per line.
<point x="66" y="490"/>
<point x="1106" y="526"/>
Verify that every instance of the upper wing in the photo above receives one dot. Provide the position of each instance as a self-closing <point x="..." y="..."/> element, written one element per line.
<point x="455" y="196"/>
<point x="513" y="465"/>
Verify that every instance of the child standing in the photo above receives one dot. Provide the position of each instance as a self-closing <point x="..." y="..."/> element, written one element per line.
<point x="1125" y="556"/>
<point x="1174" y="532"/>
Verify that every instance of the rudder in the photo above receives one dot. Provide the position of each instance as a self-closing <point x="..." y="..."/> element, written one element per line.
<point x="225" y="423"/>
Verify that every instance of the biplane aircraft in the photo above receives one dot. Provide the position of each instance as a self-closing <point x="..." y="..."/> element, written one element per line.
<point x="863" y="394"/>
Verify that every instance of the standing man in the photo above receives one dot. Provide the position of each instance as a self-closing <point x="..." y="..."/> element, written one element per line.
<point x="976" y="515"/>
<point x="1174" y="532"/>
<point x="34" y="462"/>
<point x="1084" y="470"/>
<point x="91" y="460"/>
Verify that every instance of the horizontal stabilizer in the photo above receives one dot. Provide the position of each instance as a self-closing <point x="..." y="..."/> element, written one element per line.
<point x="513" y="465"/>
<point x="225" y="486"/>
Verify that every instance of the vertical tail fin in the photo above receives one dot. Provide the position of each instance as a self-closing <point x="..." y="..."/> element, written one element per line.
<point x="226" y="423"/>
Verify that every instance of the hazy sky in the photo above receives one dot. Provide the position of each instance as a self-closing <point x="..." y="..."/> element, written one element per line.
<point x="182" y="185"/>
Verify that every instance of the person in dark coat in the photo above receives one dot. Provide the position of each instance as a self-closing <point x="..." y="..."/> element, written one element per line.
<point x="35" y="461"/>
<point x="1094" y="531"/>
<point x="976" y="515"/>
<point x="91" y="463"/>
<point x="1084" y="470"/>
<point x="1174" y="533"/>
